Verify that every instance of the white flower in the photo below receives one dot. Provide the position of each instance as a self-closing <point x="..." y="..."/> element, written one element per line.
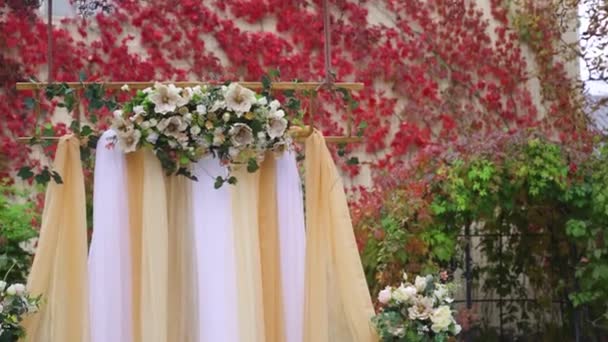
<point x="276" y="127"/>
<point x="420" y="283"/>
<point x="11" y="291"/>
<point x="217" y="105"/>
<point x="277" y="114"/>
<point x="456" y="328"/>
<point x="188" y="118"/>
<point x="29" y="246"/>
<point x="125" y="87"/>
<point x="152" y="137"/>
<point x="404" y="294"/>
<point x="421" y="308"/>
<point x="262" y="135"/>
<point x="120" y="125"/>
<point x="218" y="136"/>
<point x="129" y="140"/>
<point x="201" y="109"/>
<point x="240" y="135"/>
<point x="172" y="125"/>
<point x="441" y="318"/>
<point x="19" y="289"/>
<point x="2" y="285"/>
<point x="139" y="110"/>
<point x="226" y="117"/>
<point x="262" y="101"/>
<point x="385" y="295"/>
<point x="274" y="105"/>
<point x="234" y="152"/>
<point x="238" y="98"/>
<point x="147" y="90"/>
<point x="441" y="293"/>
<point x="153" y="122"/>
<point x="195" y="130"/>
<point x="166" y="98"/>
<point x="404" y="276"/>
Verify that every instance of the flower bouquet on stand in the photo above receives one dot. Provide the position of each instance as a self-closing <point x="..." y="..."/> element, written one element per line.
<point x="417" y="312"/>
<point x="15" y="304"/>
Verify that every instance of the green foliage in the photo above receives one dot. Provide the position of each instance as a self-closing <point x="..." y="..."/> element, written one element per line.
<point x="16" y="232"/>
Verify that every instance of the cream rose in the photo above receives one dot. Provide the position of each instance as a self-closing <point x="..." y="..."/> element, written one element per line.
<point x="422" y="308"/>
<point x="441" y="319"/>
<point x="420" y="283"/>
<point x="276" y="127"/>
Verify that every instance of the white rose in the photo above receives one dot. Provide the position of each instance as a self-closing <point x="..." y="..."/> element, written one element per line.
<point x="262" y="101"/>
<point x="201" y="109"/>
<point x="2" y="285"/>
<point x="274" y="105"/>
<point x="11" y="291"/>
<point x="129" y="140"/>
<point x="19" y="289"/>
<point x="226" y="117"/>
<point x="456" y="328"/>
<point x="441" y="319"/>
<point x="405" y="293"/>
<point x="139" y="110"/>
<point x="277" y="114"/>
<point x="385" y="295"/>
<point x="195" y="130"/>
<point x="152" y="137"/>
<point x="420" y="283"/>
<point x="441" y="292"/>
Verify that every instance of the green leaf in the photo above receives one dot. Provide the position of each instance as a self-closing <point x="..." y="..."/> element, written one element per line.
<point x="57" y="177"/>
<point x="352" y="161"/>
<point x="25" y="172"/>
<point x="86" y="131"/>
<point x="252" y="165"/>
<point x="219" y="181"/>
<point x="232" y="180"/>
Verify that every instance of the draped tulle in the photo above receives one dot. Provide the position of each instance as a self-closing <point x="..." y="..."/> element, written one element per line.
<point x="290" y="209"/>
<point x="59" y="272"/>
<point x="110" y="252"/>
<point x="183" y="292"/>
<point x="338" y="306"/>
<point x="244" y="213"/>
<point x="215" y="255"/>
<point x="154" y="253"/>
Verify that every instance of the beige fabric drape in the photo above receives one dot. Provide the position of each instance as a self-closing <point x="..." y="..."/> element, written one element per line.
<point x="183" y="319"/>
<point x="244" y="197"/>
<point x="338" y="307"/>
<point x="59" y="272"/>
<point x="270" y="252"/>
<point x="154" y="252"/>
<point x="135" y="176"/>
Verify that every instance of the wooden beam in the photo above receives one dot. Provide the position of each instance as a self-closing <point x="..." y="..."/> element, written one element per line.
<point x="143" y="85"/>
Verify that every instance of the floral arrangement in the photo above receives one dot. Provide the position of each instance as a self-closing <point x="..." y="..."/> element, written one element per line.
<point x="15" y="303"/>
<point x="417" y="312"/>
<point x="183" y="125"/>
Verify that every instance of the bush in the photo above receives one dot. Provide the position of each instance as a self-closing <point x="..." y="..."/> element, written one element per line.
<point x="17" y="235"/>
<point x="540" y="210"/>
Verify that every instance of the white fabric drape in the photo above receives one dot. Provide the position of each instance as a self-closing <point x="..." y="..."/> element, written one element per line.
<point x="215" y="255"/>
<point x="292" y="244"/>
<point x="109" y="256"/>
